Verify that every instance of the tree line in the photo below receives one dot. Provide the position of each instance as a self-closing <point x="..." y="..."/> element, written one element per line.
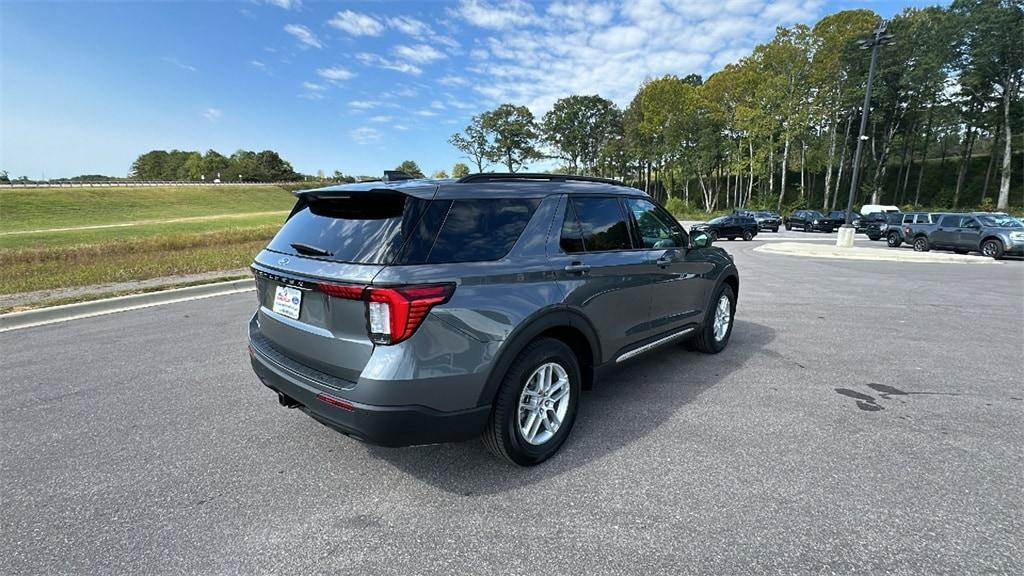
<point x="243" y="165"/>
<point x="779" y="127"/>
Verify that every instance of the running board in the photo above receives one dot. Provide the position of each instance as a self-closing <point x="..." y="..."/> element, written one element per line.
<point x="647" y="347"/>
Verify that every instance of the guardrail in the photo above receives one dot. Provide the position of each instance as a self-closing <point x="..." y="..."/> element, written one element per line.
<point x="140" y="183"/>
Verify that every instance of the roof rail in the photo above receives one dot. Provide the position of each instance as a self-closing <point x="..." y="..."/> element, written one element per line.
<point x="510" y="176"/>
<point x="396" y="175"/>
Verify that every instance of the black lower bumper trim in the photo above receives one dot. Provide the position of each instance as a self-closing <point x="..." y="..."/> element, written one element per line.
<point x="381" y="425"/>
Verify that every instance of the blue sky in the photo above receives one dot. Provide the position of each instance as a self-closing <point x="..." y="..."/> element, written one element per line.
<point x="350" y="86"/>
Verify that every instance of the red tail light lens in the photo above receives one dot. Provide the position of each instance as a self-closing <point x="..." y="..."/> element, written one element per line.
<point x="394" y="314"/>
<point x="346" y="291"/>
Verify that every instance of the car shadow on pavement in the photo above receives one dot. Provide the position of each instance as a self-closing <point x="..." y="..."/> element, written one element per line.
<point x="629" y="404"/>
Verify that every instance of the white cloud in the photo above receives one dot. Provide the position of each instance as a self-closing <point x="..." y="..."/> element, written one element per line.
<point x="381" y="119"/>
<point x="582" y="13"/>
<point x="179" y="64"/>
<point x="335" y="73"/>
<point x="257" y="64"/>
<point x="498" y="16"/>
<point x="410" y="26"/>
<point x="452" y="80"/>
<point x="363" y="104"/>
<point x="607" y="48"/>
<point x="304" y="35"/>
<point x="356" y="24"/>
<point x="420" y="53"/>
<point x="452" y="102"/>
<point x="381" y="62"/>
<point x="312" y="91"/>
<point x="365" y="135"/>
<point x="286" y="4"/>
<point x="213" y="114"/>
<point x="426" y="113"/>
<point x="400" y="127"/>
<point x="437" y="105"/>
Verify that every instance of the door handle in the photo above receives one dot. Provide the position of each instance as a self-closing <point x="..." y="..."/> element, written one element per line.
<point x="663" y="261"/>
<point x="577" y="268"/>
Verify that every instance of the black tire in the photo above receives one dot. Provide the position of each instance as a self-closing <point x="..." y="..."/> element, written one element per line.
<point x="502" y="436"/>
<point x="705" y="341"/>
<point x="788" y="226"/>
<point x="992" y="248"/>
<point x="808" y="228"/>
<point x="893" y="240"/>
<point x="776" y="229"/>
<point x="712" y="235"/>
<point x="748" y="236"/>
<point x="921" y="244"/>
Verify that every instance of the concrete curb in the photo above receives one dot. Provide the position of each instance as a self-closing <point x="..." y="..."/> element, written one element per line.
<point x="54" y="314"/>
<point x="869" y="254"/>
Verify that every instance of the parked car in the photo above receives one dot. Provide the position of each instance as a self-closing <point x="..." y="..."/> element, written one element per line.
<point x="808" y="221"/>
<point x="883" y="208"/>
<point x="875" y="225"/>
<point x="731" y="227"/>
<point x="838" y="217"/>
<point x="425" y="311"/>
<point x="894" y="232"/>
<point x="767" y="220"/>
<point x="992" y="234"/>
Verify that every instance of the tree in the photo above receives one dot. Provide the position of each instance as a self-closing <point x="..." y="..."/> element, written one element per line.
<point x="411" y="168"/>
<point x="994" y="63"/>
<point x="460" y="170"/>
<point x="578" y="127"/>
<point x="514" y="133"/>
<point x="474" y="143"/>
<point x="440" y="174"/>
<point x="4" y="177"/>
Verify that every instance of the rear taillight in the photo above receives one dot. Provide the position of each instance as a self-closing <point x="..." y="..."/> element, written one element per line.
<point x="393" y="313"/>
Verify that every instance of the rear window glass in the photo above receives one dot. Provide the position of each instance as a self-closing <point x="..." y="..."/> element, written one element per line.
<point x="361" y="229"/>
<point x="603" y="224"/>
<point x="480" y="230"/>
<point x="951" y="221"/>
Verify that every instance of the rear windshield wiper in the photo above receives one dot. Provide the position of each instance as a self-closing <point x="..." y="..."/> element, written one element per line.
<point x="309" y="249"/>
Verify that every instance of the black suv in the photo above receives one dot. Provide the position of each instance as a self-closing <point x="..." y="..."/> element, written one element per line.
<point x="424" y="311"/>
<point x="732" y="227"/>
<point x="808" y="221"/>
<point x="768" y="220"/>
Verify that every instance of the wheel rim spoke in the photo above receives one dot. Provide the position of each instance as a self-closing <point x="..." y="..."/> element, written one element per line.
<point x="544" y="403"/>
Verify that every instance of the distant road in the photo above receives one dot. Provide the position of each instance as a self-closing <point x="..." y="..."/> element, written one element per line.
<point x="143" y="222"/>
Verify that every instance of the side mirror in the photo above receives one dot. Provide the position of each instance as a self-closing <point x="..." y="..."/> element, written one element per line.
<point x="700" y="240"/>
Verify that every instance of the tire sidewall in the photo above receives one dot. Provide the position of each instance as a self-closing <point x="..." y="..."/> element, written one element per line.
<point x="541" y="352"/>
<point x="920" y="245"/>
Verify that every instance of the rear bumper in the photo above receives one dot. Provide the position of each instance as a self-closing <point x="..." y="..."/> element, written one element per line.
<point x="382" y="425"/>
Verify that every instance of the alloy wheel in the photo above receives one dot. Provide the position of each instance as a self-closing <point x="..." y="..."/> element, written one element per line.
<point x="543" y="403"/>
<point x="723" y="317"/>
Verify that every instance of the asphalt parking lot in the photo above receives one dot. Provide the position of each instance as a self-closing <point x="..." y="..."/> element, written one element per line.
<point x="867" y="417"/>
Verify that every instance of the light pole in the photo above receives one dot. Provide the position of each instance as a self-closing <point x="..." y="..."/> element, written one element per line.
<point x="878" y="38"/>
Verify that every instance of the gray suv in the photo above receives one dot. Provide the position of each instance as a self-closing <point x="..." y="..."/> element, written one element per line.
<point x="423" y="311"/>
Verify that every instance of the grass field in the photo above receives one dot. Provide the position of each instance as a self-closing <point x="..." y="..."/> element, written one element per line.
<point x="211" y="228"/>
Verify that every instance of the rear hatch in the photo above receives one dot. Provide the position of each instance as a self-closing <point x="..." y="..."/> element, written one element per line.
<point x="310" y="276"/>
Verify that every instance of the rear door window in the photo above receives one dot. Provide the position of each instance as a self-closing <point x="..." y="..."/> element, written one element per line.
<point x="367" y="228"/>
<point x="950" y="221"/>
<point x="481" y="230"/>
<point x="602" y="223"/>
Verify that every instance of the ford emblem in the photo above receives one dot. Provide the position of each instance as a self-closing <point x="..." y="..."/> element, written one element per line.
<point x="283" y="261"/>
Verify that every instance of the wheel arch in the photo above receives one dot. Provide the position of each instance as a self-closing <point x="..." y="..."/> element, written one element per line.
<point x="563" y="324"/>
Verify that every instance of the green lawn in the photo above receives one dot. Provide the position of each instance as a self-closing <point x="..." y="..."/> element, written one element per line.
<point x="41" y="208"/>
<point x="220" y="240"/>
